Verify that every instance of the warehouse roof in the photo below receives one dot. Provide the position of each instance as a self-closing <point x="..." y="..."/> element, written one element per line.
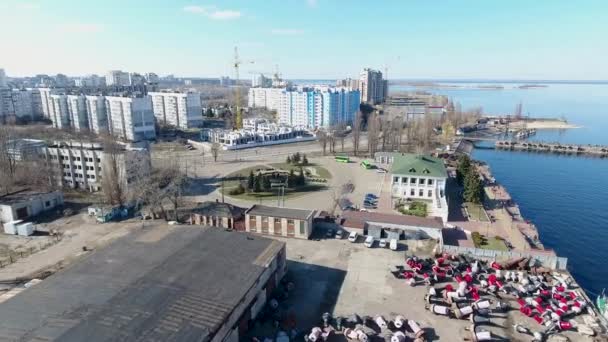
<point x="358" y="219"/>
<point x="161" y="284"/>
<point x="418" y="165"/>
<point x="218" y="209"/>
<point x="262" y="210"/>
<point x="23" y="196"/>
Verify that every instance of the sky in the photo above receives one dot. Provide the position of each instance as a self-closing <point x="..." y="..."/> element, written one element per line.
<point x="308" y="39"/>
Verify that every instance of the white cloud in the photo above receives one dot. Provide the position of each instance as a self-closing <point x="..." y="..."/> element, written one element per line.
<point x="28" y="6"/>
<point x="213" y="12"/>
<point x="287" y="31"/>
<point x="80" y="28"/>
<point x="312" y="3"/>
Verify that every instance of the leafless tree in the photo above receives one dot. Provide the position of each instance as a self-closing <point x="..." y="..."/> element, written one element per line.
<point x="112" y="183"/>
<point x="373" y="133"/>
<point x="356" y="132"/>
<point x="323" y="138"/>
<point x="8" y="162"/>
<point x="215" y="151"/>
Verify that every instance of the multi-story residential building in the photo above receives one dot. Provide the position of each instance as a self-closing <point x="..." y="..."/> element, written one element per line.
<point x="348" y="83"/>
<point x="77" y="107"/>
<point x="96" y="114"/>
<point x="181" y="110"/>
<point x="3" y="80"/>
<point x="6" y="104"/>
<point x="23" y="102"/>
<point x="46" y="102"/>
<point x="117" y="78"/>
<point x="373" y="88"/>
<point x="81" y="165"/>
<point x="62" y="80"/>
<point x="130" y="118"/>
<point x="36" y="102"/>
<point x="90" y="81"/>
<point x="136" y="79"/>
<point x="152" y="78"/>
<point x="59" y="112"/>
<point x="418" y="177"/>
<point x="318" y="107"/>
<point x="265" y="98"/>
<point x="260" y="80"/>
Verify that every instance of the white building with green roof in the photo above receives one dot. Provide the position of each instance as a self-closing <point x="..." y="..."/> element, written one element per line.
<point x="419" y="177"/>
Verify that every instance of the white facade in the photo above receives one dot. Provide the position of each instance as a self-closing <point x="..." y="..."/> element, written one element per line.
<point x="268" y="98"/>
<point x="81" y="164"/>
<point x="131" y="118"/>
<point x="117" y="78"/>
<point x="90" y="81"/>
<point x="3" y="80"/>
<point x="182" y="110"/>
<point x="96" y="114"/>
<point x="6" y="104"/>
<point x="46" y="102"/>
<point x="372" y="86"/>
<point x="59" y="112"/>
<point x="77" y="106"/>
<point x="319" y="107"/>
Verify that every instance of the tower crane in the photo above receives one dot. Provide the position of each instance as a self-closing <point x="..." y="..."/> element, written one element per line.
<point x="238" y="124"/>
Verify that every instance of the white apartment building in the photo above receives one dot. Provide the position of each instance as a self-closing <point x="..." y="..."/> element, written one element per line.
<point x="81" y="165"/>
<point x="20" y="103"/>
<point x="59" y="112"/>
<point x="418" y="177"/>
<point x="77" y="107"/>
<point x="265" y="98"/>
<point x="318" y="107"/>
<point x="372" y="87"/>
<point x="46" y="102"/>
<point x="3" y="80"/>
<point x="130" y="118"/>
<point x="6" y="104"/>
<point x="96" y="114"/>
<point x="90" y="81"/>
<point x="181" y="110"/>
<point x="117" y="78"/>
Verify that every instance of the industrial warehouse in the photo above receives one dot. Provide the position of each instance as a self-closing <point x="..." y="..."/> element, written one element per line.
<point x="156" y="284"/>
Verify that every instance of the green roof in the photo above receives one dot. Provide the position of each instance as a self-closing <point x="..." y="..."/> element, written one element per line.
<point x="418" y="165"/>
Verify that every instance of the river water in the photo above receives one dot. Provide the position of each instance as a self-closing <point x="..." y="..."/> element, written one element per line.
<point x="565" y="196"/>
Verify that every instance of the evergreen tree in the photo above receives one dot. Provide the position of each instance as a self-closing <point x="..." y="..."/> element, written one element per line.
<point x="473" y="188"/>
<point x="257" y="184"/>
<point x="266" y="183"/>
<point x="464" y="166"/>
<point x="301" y="178"/>
<point x="209" y="113"/>
<point x="288" y="161"/>
<point x="296" y="158"/>
<point x="291" y="179"/>
<point x="250" y="181"/>
<point x="304" y="160"/>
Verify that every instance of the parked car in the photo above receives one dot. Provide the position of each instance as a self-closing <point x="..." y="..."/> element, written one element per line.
<point x="382" y="243"/>
<point x="370" y="195"/>
<point x="380" y="170"/>
<point x="339" y="234"/>
<point x="352" y="237"/>
<point x="369" y="241"/>
<point x="393" y="244"/>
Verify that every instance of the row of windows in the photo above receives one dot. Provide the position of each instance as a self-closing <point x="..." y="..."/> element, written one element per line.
<point x="420" y="193"/>
<point x="79" y="175"/>
<point x="413" y="180"/>
<point x="79" y="167"/>
<point x="54" y="157"/>
<point x="276" y="223"/>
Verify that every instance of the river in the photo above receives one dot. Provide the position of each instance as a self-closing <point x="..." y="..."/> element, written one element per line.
<point x="563" y="195"/>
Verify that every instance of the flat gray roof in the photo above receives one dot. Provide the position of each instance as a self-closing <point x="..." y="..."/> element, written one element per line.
<point x="156" y="284"/>
<point x="23" y="196"/>
<point x="262" y="210"/>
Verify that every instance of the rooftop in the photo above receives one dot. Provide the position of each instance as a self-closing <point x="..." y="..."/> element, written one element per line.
<point x="357" y="219"/>
<point x="218" y="209"/>
<point x="22" y="196"/>
<point x="157" y="284"/>
<point x="418" y="165"/>
<point x="297" y="214"/>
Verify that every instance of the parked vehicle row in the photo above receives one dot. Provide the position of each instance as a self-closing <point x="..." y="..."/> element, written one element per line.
<point x="369" y="242"/>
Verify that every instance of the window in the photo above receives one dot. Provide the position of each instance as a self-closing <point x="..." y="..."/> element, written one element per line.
<point x="412" y="192"/>
<point x="253" y="223"/>
<point x="265" y="224"/>
<point x="77" y="158"/>
<point x="421" y="181"/>
<point x="98" y="160"/>
<point x="404" y="180"/>
<point x="79" y="167"/>
<point x="412" y="180"/>
<point x="395" y="179"/>
<point x="291" y="228"/>
<point x="302" y="227"/>
<point x="47" y="204"/>
<point x="278" y="228"/>
<point x="430" y="193"/>
<point x="421" y="193"/>
<point x="430" y="182"/>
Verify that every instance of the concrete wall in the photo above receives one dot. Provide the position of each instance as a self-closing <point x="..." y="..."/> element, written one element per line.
<point x="284" y="224"/>
<point x="35" y="206"/>
<point x="408" y="231"/>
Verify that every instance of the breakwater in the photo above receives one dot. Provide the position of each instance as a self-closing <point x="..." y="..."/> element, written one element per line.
<point x="539" y="146"/>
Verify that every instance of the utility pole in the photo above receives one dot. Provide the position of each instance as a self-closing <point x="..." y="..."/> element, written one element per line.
<point x="222" y="189"/>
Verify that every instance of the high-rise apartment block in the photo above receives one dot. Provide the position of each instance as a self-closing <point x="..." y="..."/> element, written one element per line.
<point x="130" y="118"/>
<point x="318" y="107"/>
<point x="59" y="112"/>
<point x="96" y="114"/>
<point x="77" y="107"/>
<point x="3" y="80"/>
<point x="181" y="110"/>
<point x="117" y="78"/>
<point x="373" y="88"/>
<point x="265" y="98"/>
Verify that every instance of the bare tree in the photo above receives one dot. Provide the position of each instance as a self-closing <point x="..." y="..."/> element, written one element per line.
<point x="8" y="162"/>
<point x="112" y="183"/>
<point x="373" y="133"/>
<point x="356" y="133"/>
<point x="215" y="151"/>
<point x="323" y="138"/>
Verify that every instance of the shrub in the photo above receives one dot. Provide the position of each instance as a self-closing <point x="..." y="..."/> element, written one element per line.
<point x="477" y="239"/>
<point x="237" y="191"/>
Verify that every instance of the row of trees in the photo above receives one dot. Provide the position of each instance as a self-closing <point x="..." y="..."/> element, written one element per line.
<point x="259" y="182"/>
<point x="468" y="177"/>
<point x="297" y="159"/>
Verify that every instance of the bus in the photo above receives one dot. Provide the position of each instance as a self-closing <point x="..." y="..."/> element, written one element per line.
<point x="342" y="159"/>
<point x="366" y="165"/>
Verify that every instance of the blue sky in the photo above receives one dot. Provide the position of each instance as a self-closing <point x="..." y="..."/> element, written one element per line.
<point x="541" y="39"/>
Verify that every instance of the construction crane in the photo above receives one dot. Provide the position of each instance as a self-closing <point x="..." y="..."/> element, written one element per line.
<point x="238" y="124"/>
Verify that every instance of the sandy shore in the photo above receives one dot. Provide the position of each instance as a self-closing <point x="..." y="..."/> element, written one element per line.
<point x="543" y="124"/>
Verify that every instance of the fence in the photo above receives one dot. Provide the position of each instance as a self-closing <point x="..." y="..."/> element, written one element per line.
<point x="549" y="261"/>
<point x="14" y="255"/>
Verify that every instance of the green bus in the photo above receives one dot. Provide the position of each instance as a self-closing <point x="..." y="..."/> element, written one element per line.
<point x="366" y="165"/>
<point x="342" y="159"/>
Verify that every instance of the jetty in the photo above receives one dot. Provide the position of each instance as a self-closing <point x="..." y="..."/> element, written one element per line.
<point x="539" y="146"/>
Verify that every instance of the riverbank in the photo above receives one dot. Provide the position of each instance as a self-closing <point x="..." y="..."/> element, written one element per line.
<point x="542" y="124"/>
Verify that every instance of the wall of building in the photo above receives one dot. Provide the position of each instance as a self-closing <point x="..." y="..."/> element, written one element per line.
<point x="403" y="187"/>
<point x="182" y="110"/>
<point x="301" y="228"/>
<point x="35" y="206"/>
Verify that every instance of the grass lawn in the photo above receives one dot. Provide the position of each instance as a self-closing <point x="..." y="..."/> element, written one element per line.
<point x="321" y="171"/>
<point x="476" y="212"/>
<point x="493" y="243"/>
<point x="416" y="208"/>
<point x="232" y="179"/>
<point x="289" y="193"/>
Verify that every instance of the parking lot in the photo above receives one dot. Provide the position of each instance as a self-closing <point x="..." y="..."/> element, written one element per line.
<point x="343" y="278"/>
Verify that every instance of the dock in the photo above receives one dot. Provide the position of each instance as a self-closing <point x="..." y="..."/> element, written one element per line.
<point x="539" y="146"/>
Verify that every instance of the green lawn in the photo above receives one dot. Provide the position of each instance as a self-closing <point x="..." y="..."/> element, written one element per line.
<point x="289" y="193"/>
<point x="232" y="179"/>
<point x="321" y="171"/>
<point x="476" y="212"/>
<point x="494" y="244"/>
<point x="416" y="208"/>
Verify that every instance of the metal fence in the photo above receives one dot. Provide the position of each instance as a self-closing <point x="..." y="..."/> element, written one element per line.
<point x="549" y="261"/>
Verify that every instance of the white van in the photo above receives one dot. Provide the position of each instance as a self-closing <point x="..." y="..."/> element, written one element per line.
<point x="382" y="243"/>
<point x="393" y="244"/>
<point x="352" y="237"/>
<point x="369" y="241"/>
